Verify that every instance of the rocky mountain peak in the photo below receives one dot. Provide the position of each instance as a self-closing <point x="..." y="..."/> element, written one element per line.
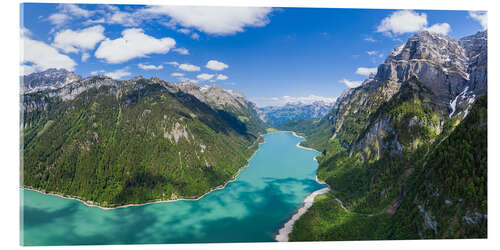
<point x="434" y="47"/>
<point x="438" y="61"/>
<point x="48" y="79"/>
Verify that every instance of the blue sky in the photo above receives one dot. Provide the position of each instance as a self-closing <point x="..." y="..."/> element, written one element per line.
<point x="272" y="55"/>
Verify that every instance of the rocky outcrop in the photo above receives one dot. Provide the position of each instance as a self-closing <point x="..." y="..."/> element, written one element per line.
<point x="47" y="80"/>
<point x="214" y="95"/>
<point x="476" y="49"/>
<point x="436" y="60"/>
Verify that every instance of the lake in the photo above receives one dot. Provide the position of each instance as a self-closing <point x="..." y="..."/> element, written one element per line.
<point x="251" y="209"/>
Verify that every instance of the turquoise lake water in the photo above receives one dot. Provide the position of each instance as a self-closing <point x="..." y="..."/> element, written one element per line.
<point x="250" y="209"/>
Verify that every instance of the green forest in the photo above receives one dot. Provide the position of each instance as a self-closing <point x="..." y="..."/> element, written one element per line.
<point x="137" y="145"/>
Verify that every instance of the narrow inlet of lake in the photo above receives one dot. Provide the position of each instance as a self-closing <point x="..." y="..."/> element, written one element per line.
<point x="251" y="209"/>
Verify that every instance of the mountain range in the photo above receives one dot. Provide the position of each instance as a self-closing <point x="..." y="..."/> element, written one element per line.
<point x="278" y="115"/>
<point x="113" y="143"/>
<point x="405" y="153"/>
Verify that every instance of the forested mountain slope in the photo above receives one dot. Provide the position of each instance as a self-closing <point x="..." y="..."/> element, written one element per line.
<point x="406" y="152"/>
<point x="120" y="142"/>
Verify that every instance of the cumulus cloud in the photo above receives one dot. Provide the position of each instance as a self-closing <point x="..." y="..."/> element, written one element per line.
<point x="189" y="67"/>
<point x="351" y="84"/>
<point x="216" y="65"/>
<point x="441" y="28"/>
<point x="58" y="18"/>
<point x="76" y="40"/>
<point x="177" y="74"/>
<point x="372" y="52"/>
<point x="222" y="77"/>
<point x="75" y="10"/>
<point x="118" y="74"/>
<point x="213" y="20"/>
<point x="279" y="101"/>
<point x="403" y="21"/>
<point x="67" y="12"/>
<point x="182" y="51"/>
<point x="409" y="21"/>
<point x="366" y="71"/>
<point x="149" y="66"/>
<point x="37" y="55"/>
<point x="481" y="17"/>
<point x="133" y="44"/>
<point x="204" y="77"/>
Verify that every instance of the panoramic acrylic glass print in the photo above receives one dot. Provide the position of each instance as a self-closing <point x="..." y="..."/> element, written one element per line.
<point x="160" y="124"/>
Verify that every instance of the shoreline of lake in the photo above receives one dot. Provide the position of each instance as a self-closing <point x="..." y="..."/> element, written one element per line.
<point x="287" y="228"/>
<point x="90" y="204"/>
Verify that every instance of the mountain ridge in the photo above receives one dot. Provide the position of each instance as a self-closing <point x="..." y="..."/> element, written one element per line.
<point x="377" y="139"/>
<point x="114" y="143"/>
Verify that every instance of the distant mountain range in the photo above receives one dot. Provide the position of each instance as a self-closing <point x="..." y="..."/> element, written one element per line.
<point x="113" y="142"/>
<point x="278" y="115"/>
<point x="405" y="153"/>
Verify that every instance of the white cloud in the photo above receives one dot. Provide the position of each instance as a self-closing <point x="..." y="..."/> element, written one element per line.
<point x="216" y="65"/>
<point x="184" y="31"/>
<point x="74" y="41"/>
<point x="222" y="77"/>
<point x="97" y="72"/>
<point x="184" y="79"/>
<point x="351" y="84"/>
<point x="195" y="36"/>
<point x="58" y="18"/>
<point x="123" y="18"/>
<point x="177" y="74"/>
<point x="149" y="66"/>
<point x="213" y="20"/>
<point x="204" y="76"/>
<point x="182" y="51"/>
<point x="25" y="32"/>
<point x="133" y="43"/>
<point x="75" y="10"/>
<point x="189" y="67"/>
<point x="66" y="12"/>
<point x="481" y="17"/>
<point x="173" y="63"/>
<point x="279" y="101"/>
<point x="372" y="53"/>
<point x="42" y="56"/>
<point x="27" y="69"/>
<point x="403" y="21"/>
<point x="369" y="39"/>
<point x="95" y="21"/>
<point x="85" y="56"/>
<point x="118" y="74"/>
<point x="440" y="28"/>
<point x="366" y="71"/>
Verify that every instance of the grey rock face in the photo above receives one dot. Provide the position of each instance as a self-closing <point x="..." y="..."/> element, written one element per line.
<point x="376" y="137"/>
<point x="438" y="61"/>
<point x="476" y="49"/>
<point x="215" y="96"/>
<point x="48" y="79"/>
